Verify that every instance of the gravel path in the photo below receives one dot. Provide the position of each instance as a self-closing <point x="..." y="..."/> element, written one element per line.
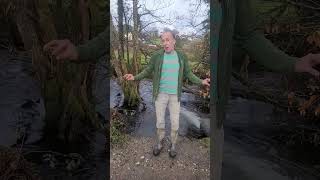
<point x="135" y="160"/>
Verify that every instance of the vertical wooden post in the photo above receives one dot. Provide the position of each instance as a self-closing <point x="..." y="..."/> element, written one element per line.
<point x="217" y="134"/>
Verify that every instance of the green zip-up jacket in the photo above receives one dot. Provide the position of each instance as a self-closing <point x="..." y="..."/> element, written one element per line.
<point x="239" y="36"/>
<point x="155" y="66"/>
<point x="94" y="48"/>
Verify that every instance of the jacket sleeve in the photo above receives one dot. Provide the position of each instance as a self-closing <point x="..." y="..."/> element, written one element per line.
<point x="147" y="71"/>
<point x="94" y="48"/>
<point x="189" y="74"/>
<point x="247" y="37"/>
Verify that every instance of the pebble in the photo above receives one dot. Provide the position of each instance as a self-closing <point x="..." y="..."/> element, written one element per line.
<point x="137" y="163"/>
<point x="142" y="157"/>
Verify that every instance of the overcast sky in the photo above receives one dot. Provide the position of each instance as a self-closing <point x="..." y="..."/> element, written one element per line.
<point x="170" y="9"/>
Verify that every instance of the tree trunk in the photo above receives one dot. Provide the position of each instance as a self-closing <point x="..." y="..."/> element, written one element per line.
<point x="68" y="110"/>
<point x="131" y="89"/>
<point x="114" y="46"/>
<point x="127" y="37"/>
<point x="135" y="36"/>
<point x="85" y="20"/>
<point x="120" y="25"/>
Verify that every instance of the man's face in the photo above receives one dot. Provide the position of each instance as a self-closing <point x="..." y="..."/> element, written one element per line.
<point x="168" y="42"/>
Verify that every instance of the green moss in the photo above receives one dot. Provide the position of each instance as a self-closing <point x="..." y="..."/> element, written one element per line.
<point x="117" y="131"/>
<point x="117" y="138"/>
<point x="205" y="142"/>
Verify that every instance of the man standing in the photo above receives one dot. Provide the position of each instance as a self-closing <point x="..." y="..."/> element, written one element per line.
<point x="169" y="67"/>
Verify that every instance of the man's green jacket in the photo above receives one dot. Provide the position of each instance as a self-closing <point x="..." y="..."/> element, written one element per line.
<point x="95" y="48"/>
<point x="155" y="66"/>
<point x="239" y="36"/>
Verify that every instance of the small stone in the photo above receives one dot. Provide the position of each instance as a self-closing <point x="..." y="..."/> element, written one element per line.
<point x="137" y="163"/>
<point x="142" y="157"/>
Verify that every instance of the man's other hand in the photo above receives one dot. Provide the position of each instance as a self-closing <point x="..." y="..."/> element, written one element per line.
<point x="307" y="63"/>
<point x="128" y="77"/>
<point x="206" y="82"/>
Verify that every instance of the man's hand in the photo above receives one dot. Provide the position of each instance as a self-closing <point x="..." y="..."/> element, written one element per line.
<point x="307" y="63"/>
<point x="129" y="77"/>
<point x="206" y="82"/>
<point x="62" y="49"/>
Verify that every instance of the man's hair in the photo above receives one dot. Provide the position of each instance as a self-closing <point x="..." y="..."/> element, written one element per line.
<point x="167" y="30"/>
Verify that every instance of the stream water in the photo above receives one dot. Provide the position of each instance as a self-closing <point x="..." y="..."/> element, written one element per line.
<point x="250" y="129"/>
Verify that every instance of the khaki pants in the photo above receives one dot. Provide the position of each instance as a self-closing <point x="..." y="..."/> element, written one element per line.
<point x="161" y="103"/>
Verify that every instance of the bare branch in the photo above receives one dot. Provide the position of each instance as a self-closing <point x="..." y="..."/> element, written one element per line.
<point x="303" y="5"/>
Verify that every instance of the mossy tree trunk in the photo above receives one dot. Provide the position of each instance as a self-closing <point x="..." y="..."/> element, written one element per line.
<point x="65" y="85"/>
<point x="130" y="88"/>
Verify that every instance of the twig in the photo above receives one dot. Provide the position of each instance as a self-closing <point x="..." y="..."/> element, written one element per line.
<point x="257" y="91"/>
<point x="303" y="5"/>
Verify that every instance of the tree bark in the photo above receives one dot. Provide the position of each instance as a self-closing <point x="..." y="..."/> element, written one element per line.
<point x="85" y="20"/>
<point x="135" y="36"/>
<point x="120" y="25"/>
<point x="68" y="110"/>
<point x="127" y="37"/>
<point x="114" y="44"/>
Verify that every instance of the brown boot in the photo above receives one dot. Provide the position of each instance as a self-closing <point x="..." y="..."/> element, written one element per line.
<point x="159" y="146"/>
<point x="174" y="137"/>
